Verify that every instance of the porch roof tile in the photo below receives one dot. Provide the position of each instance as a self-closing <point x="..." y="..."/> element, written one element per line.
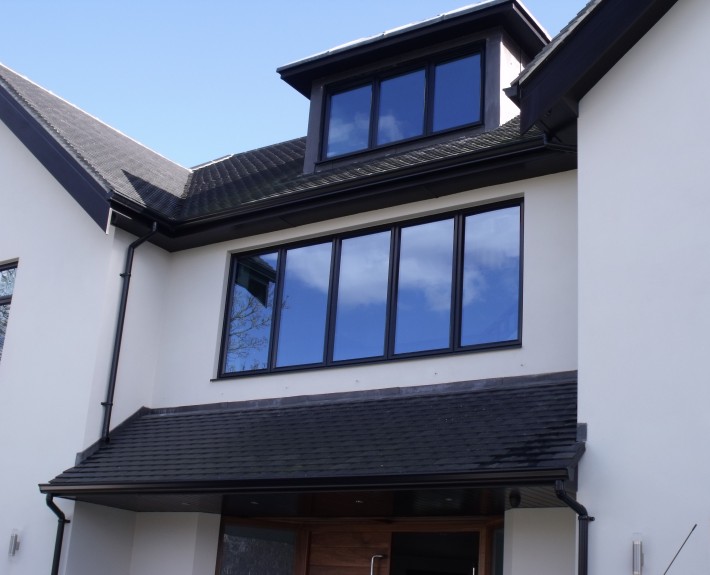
<point x="518" y="425"/>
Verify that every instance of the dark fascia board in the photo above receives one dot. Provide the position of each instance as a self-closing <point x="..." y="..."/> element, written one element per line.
<point x="490" y="478"/>
<point x="503" y="164"/>
<point x="549" y="96"/>
<point x="508" y="14"/>
<point x="88" y="191"/>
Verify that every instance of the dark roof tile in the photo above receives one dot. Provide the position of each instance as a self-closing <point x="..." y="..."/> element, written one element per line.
<point x="454" y="429"/>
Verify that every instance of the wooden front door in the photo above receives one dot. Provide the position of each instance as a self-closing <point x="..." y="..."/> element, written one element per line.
<point x="393" y="548"/>
<point x="377" y="547"/>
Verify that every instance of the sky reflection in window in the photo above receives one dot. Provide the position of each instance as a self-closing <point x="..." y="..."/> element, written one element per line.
<point x="304" y="305"/>
<point x="424" y="290"/>
<point x="349" y="125"/>
<point x="457" y="93"/>
<point x="362" y="297"/>
<point x="491" y="277"/>
<point x="401" y="109"/>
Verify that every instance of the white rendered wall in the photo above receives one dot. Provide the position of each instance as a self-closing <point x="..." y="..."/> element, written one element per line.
<point x="55" y="363"/>
<point x="175" y="543"/>
<point x="52" y="347"/>
<point x="100" y="541"/>
<point x="539" y="542"/>
<point x="644" y="307"/>
<point x="197" y="283"/>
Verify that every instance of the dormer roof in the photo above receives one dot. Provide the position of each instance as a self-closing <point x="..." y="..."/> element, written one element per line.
<point x="511" y="15"/>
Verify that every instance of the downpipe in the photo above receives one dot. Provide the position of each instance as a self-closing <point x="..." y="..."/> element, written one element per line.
<point x="62" y="521"/>
<point x="110" y="391"/>
<point x="584" y="521"/>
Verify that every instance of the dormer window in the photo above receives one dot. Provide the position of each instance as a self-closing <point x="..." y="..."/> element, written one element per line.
<point x="440" y="95"/>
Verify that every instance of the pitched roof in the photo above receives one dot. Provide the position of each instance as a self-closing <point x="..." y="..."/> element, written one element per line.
<point x="518" y="430"/>
<point x="550" y="87"/>
<point x="124" y="166"/>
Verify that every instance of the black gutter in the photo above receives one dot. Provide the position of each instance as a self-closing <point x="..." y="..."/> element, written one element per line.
<point x="62" y="521"/>
<point x="584" y="520"/>
<point x="126" y="275"/>
<point x="299" y="485"/>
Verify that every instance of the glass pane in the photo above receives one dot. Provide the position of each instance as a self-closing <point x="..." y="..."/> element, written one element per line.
<point x="7" y="281"/>
<point x="304" y="305"/>
<point x="349" y="122"/>
<point x="257" y="551"/>
<point x="250" y="314"/>
<point x="491" y="277"/>
<point x="457" y="93"/>
<point x="401" y="113"/>
<point x="4" y="313"/>
<point x="424" y="290"/>
<point x="362" y="297"/>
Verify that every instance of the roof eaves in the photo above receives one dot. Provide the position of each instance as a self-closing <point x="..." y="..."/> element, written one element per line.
<point x="549" y="90"/>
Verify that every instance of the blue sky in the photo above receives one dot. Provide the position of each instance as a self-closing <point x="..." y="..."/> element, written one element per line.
<point x="196" y="80"/>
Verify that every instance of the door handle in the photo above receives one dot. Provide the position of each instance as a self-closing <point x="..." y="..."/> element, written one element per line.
<point x="372" y="562"/>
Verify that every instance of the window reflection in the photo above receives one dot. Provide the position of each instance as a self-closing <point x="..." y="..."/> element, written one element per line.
<point x="362" y="316"/>
<point x="362" y="297"/>
<point x="349" y="125"/>
<point x="491" y="277"/>
<point x="457" y="93"/>
<point x="424" y="289"/>
<point x="401" y="108"/>
<point x="304" y="305"/>
<point x="249" y="322"/>
<point x="257" y="551"/>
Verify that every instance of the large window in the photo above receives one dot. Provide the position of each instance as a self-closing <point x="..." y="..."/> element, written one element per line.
<point x="440" y="95"/>
<point x="438" y="286"/>
<point x="7" y="285"/>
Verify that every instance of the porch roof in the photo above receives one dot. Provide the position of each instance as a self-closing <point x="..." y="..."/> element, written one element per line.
<point x="513" y="431"/>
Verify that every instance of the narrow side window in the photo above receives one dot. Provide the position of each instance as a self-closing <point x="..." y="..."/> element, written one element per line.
<point x="7" y="286"/>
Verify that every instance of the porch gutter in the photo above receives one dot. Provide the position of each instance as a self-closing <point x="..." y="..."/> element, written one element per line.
<point x="584" y="520"/>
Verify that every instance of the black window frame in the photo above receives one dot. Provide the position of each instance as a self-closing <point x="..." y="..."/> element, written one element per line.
<point x="6" y="300"/>
<point x="375" y="80"/>
<point x="456" y="313"/>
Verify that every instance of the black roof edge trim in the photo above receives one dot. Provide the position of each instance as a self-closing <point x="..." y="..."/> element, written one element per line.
<point x="592" y="49"/>
<point x="291" y="485"/>
<point x="526" y="30"/>
<point x="91" y="194"/>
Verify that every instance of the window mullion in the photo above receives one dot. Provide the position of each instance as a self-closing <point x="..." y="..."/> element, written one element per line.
<point x="331" y="314"/>
<point x="457" y="281"/>
<point x="392" y="291"/>
<point x="276" y="312"/>
<point x="374" y="115"/>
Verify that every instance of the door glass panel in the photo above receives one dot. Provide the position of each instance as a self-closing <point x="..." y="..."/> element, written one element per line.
<point x="401" y="109"/>
<point x="457" y="93"/>
<point x="434" y="554"/>
<point x="362" y="297"/>
<point x="491" y="277"/>
<point x="304" y="305"/>
<point x="250" y="314"/>
<point x="424" y="289"/>
<point x="349" y="122"/>
<point x="257" y="551"/>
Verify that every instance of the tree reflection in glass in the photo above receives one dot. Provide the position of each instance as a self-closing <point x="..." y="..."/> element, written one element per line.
<point x="250" y="313"/>
<point x="362" y="297"/>
<point x="304" y="305"/>
<point x="491" y="277"/>
<point x="424" y="290"/>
